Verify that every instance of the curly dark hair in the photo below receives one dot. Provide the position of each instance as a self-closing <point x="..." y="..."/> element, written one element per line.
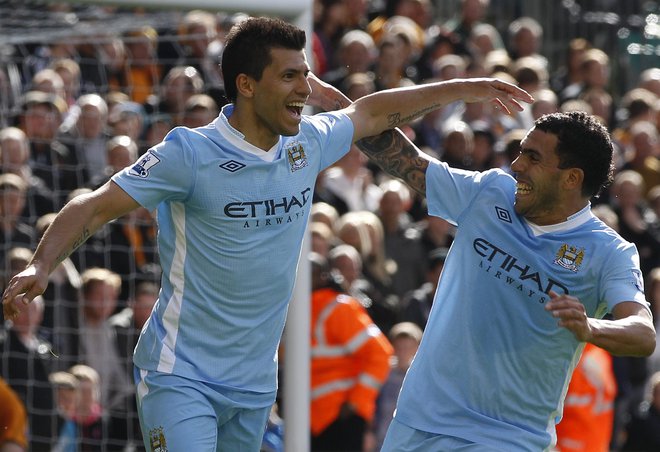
<point x="583" y="142"/>
<point x="248" y="45"/>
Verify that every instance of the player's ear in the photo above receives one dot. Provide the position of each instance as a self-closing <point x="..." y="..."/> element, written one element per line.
<point x="245" y="85"/>
<point x="574" y="177"/>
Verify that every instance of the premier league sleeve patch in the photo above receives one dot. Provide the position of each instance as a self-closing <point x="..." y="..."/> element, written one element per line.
<point x="142" y="167"/>
<point x="638" y="280"/>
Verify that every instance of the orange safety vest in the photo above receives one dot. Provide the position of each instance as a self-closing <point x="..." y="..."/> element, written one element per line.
<point x="350" y="358"/>
<point x="13" y="417"/>
<point x="589" y="406"/>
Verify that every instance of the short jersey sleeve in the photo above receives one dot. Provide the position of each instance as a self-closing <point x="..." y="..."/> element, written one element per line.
<point x="449" y="191"/>
<point x="622" y="278"/>
<point x="164" y="173"/>
<point x="334" y="133"/>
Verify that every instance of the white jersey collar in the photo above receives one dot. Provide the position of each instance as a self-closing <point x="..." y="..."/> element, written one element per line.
<point x="578" y="218"/>
<point x="236" y="138"/>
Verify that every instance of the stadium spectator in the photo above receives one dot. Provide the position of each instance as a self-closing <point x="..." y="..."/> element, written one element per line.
<point x="14" y="230"/>
<point x="358" y="85"/>
<point x="350" y="361"/>
<point x="27" y="359"/>
<point x="569" y="74"/>
<point x="143" y="70"/>
<point x="500" y="218"/>
<point x="98" y="345"/>
<point x="525" y="36"/>
<point x="14" y="158"/>
<point x="85" y="135"/>
<point x="69" y="70"/>
<point x="355" y="54"/>
<point x="405" y="338"/>
<point x="351" y="181"/>
<point x="390" y="66"/>
<point x="127" y="118"/>
<point x="363" y="230"/>
<point x="470" y="14"/>
<point x="199" y="111"/>
<point x="40" y="119"/>
<point x="402" y="241"/>
<point x="180" y="83"/>
<point x="48" y="81"/>
<point x="65" y="387"/>
<point x="416" y="305"/>
<point x="127" y="325"/>
<point x="637" y="222"/>
<point x="644" y="427"/>
<point x="643" y="153"/>
<point x="587" y="420"/>
<point x="196" y="32"/>
<point x="322" y="238"/>
<point x="120" y="151"/>
<point x="91" y="426"/>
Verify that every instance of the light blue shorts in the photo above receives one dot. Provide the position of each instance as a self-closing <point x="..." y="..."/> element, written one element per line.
<point x="401" y="438"/>
<point x="182" y="415"/>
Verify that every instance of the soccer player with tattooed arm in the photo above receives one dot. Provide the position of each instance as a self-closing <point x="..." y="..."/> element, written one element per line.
<point x="232" y="200"/>
<point x="529" y="277"/>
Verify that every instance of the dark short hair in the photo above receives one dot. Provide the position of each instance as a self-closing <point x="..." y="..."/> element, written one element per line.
<point x="248" y="45"/>
<point x="583" y="142"/>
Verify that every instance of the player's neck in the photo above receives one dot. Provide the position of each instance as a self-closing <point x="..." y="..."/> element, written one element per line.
<point x="254" y="133"/>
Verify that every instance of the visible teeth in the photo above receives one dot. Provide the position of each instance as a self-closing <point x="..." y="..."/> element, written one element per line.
<point x="523" y="188"/>
<point x="296" y="104"/>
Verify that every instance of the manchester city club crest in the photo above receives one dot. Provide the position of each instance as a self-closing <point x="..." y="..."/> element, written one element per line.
<point x="569" y="257"/>
<point x="157" y="440"/>
<point x="296" y="155"/>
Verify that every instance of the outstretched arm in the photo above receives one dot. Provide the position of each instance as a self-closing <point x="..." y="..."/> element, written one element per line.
<point x="391" y="108"/>
<point x="75" y="223"/>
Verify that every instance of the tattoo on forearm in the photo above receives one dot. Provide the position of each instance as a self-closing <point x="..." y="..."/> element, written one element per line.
<point x="79" y="241"/>
<point x="395" y="119"/>
<point x="397" y="156"/>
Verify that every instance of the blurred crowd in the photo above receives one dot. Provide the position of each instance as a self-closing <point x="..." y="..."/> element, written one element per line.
<point x="75" y="111"/>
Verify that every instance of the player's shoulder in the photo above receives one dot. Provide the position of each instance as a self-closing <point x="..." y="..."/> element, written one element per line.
<point x="324" y="120"/>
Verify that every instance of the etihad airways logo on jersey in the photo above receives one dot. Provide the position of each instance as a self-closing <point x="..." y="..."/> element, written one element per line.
<point x="515" y="272"/>
<point x="269" y="212"/>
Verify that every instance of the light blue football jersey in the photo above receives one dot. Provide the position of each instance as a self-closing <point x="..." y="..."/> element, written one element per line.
<point x="494" y="366"/>
<point x="230" y="228"/>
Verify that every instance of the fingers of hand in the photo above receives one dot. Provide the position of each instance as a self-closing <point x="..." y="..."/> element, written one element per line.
<point x="10" y="308"/>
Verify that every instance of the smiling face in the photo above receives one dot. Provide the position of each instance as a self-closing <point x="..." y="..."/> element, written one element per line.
<point x="540" y="197"/>
<point x="280" y="95"/>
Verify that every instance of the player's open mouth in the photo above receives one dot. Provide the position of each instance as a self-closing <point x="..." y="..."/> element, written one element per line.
<point x="295" y="108"/>
<point x="523" y="189"/>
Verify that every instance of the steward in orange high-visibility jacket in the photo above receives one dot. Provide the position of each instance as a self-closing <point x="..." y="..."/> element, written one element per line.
<point x="350" y="361"/>
<point x="586" y="425"/>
